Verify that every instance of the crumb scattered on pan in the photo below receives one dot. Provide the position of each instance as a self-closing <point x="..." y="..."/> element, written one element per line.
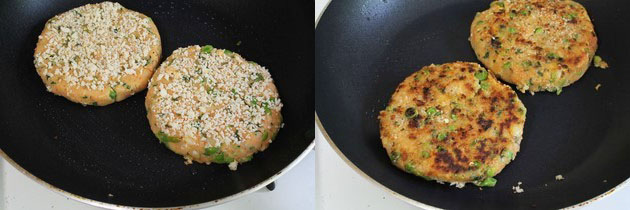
<point x="110" y="195"/>
<point x="597" y="87"/>
<point x="559" y="177"/>
<point x="605" y="181"/>
<point x="233" y="165"/>
<point x="599" y="62"/>
<point x="517" y="188"/>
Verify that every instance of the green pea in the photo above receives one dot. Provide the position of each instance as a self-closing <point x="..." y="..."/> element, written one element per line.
<point x="507" y="65"/>
<point x="211" y="151"/>
<point x="538" y="30"/>
<point x="228" y="52"/>
<point x="453" y="116"/>
<point x="442" y="136"/>
<point x="425" y="154"/>
<point x="481" y="75"/>
<point x="222" y="158"/>
<point x="512" y="30"/>
<point x="484" y="85"/>
<point x="597" y="60"/>
<point x="488" y="182"/>
<point x="490" y="172"/>
<point x="410" y="168"/>
<point x="432" y="111"/>
<point x="508" y="154"/>
<point x="207" y="49"/>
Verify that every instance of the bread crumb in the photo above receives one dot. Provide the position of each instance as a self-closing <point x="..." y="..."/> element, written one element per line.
<point x="517" y="188"/>
<point x="559" y="177"/>
<point x="233" y="166"/>
<point x="597" y="87"/>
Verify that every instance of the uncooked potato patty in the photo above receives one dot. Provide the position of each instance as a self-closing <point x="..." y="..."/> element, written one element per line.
<point x="211" y="105"/>
<point x="453" y="123"/>
<point x="538" y="45"/>
<point x="97" y="54"/>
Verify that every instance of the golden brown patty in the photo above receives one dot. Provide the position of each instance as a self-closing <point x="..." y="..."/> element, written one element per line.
<point x="453" y="123"/>
<point x="211" y="105"/>
<point x="97" y="54"/>
<point x="537" y="45"/>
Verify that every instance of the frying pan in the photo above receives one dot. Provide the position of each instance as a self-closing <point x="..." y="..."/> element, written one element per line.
<point x="366" y="48"/>
<point x="107" y="156"/>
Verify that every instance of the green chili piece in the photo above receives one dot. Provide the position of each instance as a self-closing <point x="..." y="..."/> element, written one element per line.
<point x="259" y="77"/>
<point x="112" y="94"/>
<point x="394" y="156"/>
<point x="165" y="138"/>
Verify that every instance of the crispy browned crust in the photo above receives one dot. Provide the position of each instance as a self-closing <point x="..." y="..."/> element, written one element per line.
<point x="470" y="132"/>
<point x="538" y="45"/>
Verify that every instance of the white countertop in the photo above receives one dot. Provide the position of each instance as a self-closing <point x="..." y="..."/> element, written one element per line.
<point x="340" y="187"/>
<point x="294" y="190"/>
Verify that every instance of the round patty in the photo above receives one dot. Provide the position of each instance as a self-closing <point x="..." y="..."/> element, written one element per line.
<point x="453" y="123"/>
<point x="211" y="105"/>
<point x="97" y="54"/>
<point x="538" y="45"/>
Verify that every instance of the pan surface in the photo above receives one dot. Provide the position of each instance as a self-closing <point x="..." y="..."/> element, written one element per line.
<point x="366" y="48"/>
<point x="108" y="155"/>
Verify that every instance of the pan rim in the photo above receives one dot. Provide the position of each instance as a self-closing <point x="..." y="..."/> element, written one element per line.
<point x="416" y="203"/>
<point x="215" y="202"/>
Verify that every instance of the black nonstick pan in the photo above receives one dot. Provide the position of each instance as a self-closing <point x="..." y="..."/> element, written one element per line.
<point x="107" y="156"/>
<point x="364" y="49"/>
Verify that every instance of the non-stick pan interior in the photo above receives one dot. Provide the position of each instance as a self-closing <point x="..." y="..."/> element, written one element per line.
<point x="108" y="153"/>
<point x="365" y="48"/>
